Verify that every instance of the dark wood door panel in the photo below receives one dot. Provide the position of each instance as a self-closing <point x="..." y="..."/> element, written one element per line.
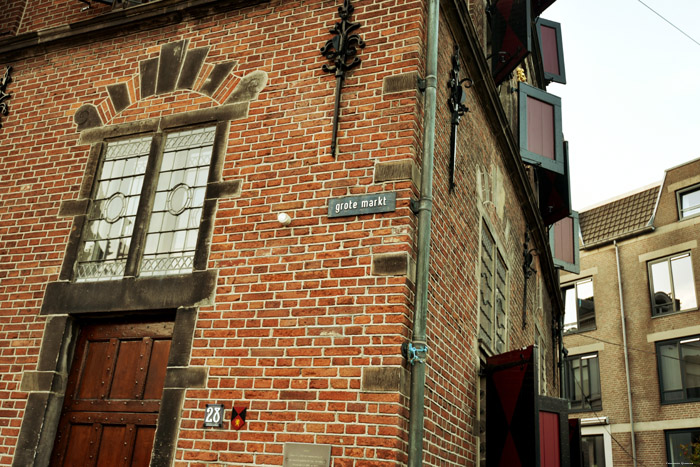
<point x="113" y="395"/>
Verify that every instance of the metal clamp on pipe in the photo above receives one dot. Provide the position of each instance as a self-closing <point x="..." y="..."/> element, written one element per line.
<point x="417" y="353"/>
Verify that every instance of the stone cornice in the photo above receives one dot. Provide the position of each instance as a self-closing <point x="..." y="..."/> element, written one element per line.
<point x="118" y="22"/>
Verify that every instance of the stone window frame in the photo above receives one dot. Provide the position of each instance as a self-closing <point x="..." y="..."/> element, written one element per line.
<point x="71" y="297"/>
<point x="652" y="294"/>
<point x="136" y="258"/>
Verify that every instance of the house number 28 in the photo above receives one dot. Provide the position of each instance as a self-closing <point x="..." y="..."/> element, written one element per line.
<point x="214" y="415"/>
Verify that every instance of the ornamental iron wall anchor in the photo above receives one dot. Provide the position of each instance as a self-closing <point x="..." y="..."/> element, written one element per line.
<point x="456" y="102"/>
<point x="341" y="49"/>
<point x="6" y="79"/>
<point x="528" y="270"/>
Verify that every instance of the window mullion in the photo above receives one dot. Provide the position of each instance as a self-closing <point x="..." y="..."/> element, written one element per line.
<point x="155" y="157"/>
<point x="577" y="307"/>
<point x="494" y="296"/>
<point x="681" y="364"/>
<point x="673" y="286"/>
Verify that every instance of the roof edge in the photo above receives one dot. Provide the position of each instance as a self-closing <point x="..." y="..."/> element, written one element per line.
<point x="625" y="236"/>
<point x="624" y="195"/>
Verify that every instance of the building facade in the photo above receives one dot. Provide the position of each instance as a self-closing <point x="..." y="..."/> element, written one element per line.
<point x="275" y="232"/>
<point x="632" y="325"/>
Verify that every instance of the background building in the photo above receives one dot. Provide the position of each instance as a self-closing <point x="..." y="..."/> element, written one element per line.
<point x="634" y="331"/>
<point x="198" y="266"/>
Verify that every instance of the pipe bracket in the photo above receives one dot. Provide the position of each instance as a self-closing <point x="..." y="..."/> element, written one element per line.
<point x="417" y="353"/>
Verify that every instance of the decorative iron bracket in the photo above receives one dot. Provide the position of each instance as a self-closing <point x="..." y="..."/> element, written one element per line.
<point x="341" y="49"/>
<point x="528" y="271"/>
<point x="457" y="107"/>
<point x="6" y="79"/>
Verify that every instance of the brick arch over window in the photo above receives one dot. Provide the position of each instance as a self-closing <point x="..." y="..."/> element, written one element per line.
<point x="176" y="68"/>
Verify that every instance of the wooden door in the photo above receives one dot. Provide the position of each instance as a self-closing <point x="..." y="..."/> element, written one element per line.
<point x="113" y="395"/>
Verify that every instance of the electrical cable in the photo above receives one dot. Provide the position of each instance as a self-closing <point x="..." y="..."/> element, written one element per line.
<point x="605" y="427"/>
<point x="676" y="27"/>
<point x="631" y="348"/>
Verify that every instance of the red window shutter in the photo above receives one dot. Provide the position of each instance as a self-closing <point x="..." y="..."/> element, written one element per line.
<point x="541" y="139"/>
<point x="550" y="455"/>
<point x="511" y="36"/>
<point x="554" y="192"/>
<point x="550" y="57"/>
<point x="575" y="454"/>
<point x="549" y="35"/>
<point x="563" y="239"/>
<point x="563" y="244"/>
<point x="511" y="410"/>
<point x="540" y="127"/>
<point x="538" y="6"/>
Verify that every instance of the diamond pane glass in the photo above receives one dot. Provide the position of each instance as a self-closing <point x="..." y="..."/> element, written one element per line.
<point x="177" y="207"/>
<point x="110" y="222"/>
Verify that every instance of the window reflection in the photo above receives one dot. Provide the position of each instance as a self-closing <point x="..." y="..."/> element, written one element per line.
<point x="679" y="367"/>
<point x="593" y="451"/>
<point x="672" y="284"/>
<point x="583" y="382"/>
<point x="579" y="307"/>
<point x="690" y="203"/>
<point x="679" y="446"/>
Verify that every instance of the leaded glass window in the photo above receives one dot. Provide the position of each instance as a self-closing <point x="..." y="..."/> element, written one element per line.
<point x="177" y="207"/>
<point x="111" y="218"/>
<point x="169" y="205"/>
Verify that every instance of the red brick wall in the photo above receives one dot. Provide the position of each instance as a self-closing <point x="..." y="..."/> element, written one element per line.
<point x="298" y="313"/>
<point x="11" y="12"/>
<point x="454" y="363"/>
<point x="46" y="14"/>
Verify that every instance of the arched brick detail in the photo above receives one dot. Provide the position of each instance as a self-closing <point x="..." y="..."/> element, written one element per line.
<point x="176" y="68"/>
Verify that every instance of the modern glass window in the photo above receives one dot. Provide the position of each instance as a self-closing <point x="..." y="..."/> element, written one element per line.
<point x="579" y="309"/>
<point x="583" y="382"/>
<point x="593" y="450"/>
<point x="161" y="213"/>
<point x="689" y="202"/>
<point x="492" y="294"/>
<point x="682" y="446"/>
<point x="679" y="369"/>
<point x="672" y="284"/>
